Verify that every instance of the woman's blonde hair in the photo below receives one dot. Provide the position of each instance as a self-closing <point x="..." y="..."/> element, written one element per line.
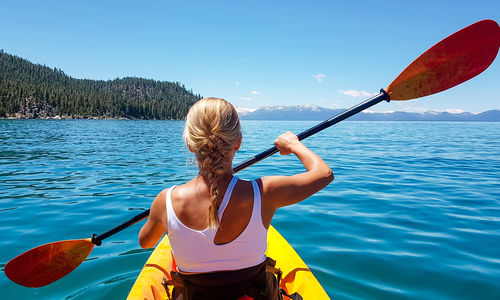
<point x="211" y="131"/>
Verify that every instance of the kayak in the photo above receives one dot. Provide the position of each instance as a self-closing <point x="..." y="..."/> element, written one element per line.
<point x="296" y="278"/>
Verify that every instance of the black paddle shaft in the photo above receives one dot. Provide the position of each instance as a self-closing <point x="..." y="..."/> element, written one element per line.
<point x="97" y="239"/>
<point x="382" y="96"/>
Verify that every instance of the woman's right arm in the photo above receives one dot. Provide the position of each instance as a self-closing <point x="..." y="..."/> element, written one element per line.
<point x="279" y="191"/>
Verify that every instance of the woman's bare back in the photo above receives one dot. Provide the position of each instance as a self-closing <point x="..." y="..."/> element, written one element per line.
<point x="191" y="201"/>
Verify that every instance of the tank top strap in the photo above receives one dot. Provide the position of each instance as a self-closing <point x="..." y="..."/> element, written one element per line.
<point x="257" y="205"/>
<point x="227" y="196"/>
<point x="170" y="210"/>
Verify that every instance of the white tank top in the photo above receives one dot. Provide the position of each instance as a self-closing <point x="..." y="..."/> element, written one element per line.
<point x="195" y="250"/>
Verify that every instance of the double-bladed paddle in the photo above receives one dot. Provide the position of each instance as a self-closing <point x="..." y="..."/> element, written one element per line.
<point x="450" y="62"/>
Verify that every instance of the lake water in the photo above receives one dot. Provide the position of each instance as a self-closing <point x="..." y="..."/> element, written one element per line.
<point x="413" y="213"/>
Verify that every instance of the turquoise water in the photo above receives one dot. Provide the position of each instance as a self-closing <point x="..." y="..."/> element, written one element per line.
<point x="414" y="211"/>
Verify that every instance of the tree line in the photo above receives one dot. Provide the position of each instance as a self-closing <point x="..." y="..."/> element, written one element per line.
<point x="30" y="90"/>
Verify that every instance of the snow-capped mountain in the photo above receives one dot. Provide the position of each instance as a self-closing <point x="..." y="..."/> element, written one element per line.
<point x="242" y="111"/>
<point x="312" y="112"/>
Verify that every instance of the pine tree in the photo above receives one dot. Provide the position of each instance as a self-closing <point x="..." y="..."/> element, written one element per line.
<point x="37" y="91"/>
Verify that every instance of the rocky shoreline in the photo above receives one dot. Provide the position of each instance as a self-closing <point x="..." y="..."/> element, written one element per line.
<point x="25" y="117"/>
<point x="57" y="117"/>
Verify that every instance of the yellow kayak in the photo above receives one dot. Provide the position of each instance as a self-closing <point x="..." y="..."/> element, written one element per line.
<point x="296" y="275"/>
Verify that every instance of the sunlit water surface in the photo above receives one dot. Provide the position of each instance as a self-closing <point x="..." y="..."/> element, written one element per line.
<point x="414" y="211"/>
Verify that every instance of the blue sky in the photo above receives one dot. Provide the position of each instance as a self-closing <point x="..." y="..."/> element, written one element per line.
<point x="253" y="53"/>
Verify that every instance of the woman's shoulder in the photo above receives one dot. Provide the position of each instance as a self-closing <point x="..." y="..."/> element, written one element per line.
<point x="183" y="191"/>
<point x="159" y="201"/>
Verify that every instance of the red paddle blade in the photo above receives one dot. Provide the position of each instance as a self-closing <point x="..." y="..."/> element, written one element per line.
<point x="450" y="62"/>
<point x="47" y="263"/>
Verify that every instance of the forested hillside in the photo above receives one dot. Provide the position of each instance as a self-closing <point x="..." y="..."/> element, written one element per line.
<point x="29" y="90"/>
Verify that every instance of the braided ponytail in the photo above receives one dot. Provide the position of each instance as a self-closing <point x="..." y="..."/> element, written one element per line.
<point x="212" y="130"/>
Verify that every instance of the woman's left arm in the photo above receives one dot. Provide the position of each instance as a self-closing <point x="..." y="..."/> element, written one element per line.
<point x="154" y="228"/>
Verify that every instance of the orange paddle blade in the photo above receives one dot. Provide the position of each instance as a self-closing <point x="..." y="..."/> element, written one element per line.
<point x="47" y="263"/>
<point x="450" y="62"/>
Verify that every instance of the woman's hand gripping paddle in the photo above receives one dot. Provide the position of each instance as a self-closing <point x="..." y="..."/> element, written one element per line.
<point x="450" y="62"/>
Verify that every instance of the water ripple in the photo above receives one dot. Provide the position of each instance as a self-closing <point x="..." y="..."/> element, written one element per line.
<point x="412" y="214"/>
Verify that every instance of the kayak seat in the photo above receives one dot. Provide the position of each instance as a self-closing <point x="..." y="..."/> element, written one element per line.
<point x="260" y="282"/>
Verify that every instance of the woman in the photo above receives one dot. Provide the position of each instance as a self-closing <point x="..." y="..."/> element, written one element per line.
<point x="217" y="222"/>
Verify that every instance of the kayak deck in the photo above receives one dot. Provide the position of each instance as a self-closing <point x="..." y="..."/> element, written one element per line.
<point x="297" y="277"/>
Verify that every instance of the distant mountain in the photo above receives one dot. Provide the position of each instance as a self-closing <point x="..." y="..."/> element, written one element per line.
<point x="30" y="90"/>
<point x="308" y="112"/>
